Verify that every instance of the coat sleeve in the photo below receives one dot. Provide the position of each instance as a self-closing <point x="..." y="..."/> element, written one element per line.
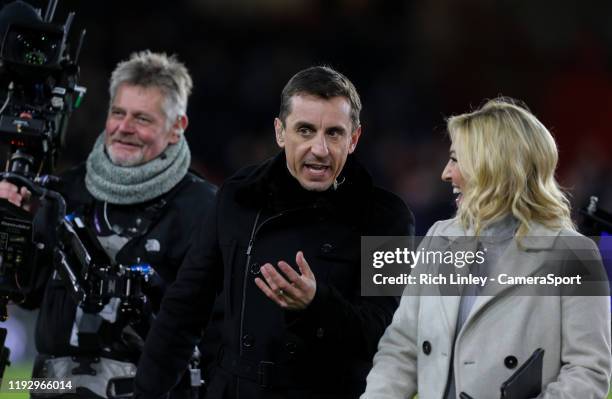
<point x="184" y="311"/>
<point x="42" y="273"/>
<point x="585" y="338"/>
<point x="394" y="373"/>
<point x="43" y="267"/>
<point x="585" y="349"/>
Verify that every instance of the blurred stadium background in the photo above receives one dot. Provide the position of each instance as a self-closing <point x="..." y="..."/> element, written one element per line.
<point x="414" y="63"/>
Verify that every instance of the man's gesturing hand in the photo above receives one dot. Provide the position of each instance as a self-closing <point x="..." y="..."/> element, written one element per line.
<point x="292" y="291"/>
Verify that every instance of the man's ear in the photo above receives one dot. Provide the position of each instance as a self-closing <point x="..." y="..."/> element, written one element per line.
<point x="354" y="139"/>
<point x="279" y="131"/>
<point x="178" y="128"/>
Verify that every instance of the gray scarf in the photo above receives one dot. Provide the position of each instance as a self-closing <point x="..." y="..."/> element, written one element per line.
<point x="124" y="185"/>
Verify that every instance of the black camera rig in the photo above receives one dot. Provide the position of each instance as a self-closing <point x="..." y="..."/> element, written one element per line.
<point x="38" y="93"/>
<point x="38" y="80"/>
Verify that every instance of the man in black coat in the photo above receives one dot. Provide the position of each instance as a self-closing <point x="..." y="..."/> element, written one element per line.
<point x="140" y="204"/>
<point x="283" y="245"/>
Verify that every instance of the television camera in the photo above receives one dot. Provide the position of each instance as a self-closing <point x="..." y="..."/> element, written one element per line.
<point x="38" y="92"/>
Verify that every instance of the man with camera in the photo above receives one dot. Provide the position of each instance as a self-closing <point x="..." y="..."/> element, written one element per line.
<point x="138" y="200"/>
<point x="283" y="241"/>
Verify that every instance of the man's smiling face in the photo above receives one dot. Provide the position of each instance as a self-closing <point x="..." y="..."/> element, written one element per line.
<point x="136" y="127"/>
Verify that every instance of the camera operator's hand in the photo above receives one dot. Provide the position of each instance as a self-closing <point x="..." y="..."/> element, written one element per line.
<point x="14" y="195"/>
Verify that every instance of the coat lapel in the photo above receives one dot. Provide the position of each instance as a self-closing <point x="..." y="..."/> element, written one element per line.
<point x="450" y="295"/>
<point x="516" y="261"/>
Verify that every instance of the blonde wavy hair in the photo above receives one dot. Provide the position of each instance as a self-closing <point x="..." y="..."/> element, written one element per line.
<point x="508" y="159"/>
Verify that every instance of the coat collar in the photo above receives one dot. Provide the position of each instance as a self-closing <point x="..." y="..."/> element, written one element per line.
<point x="539" y="236"/>
<point x="517" y="261"/>
<point x="270" y="185"/>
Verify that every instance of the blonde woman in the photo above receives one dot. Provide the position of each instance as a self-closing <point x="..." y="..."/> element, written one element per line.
<point x="502" y="164"/>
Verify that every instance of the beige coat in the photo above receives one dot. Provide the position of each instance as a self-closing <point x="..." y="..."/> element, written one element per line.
<point x="501" y="332"/>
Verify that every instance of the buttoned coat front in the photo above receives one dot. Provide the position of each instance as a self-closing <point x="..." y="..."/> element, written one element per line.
<point x="262" y="214"/>
<point x="502" y="330"/>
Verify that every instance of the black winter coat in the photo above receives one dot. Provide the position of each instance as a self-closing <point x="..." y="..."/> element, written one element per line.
<point x="172" y="222"/>
<point x="263" y="215"/>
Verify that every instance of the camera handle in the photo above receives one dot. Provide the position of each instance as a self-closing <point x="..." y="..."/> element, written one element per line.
<point x="61" y="228"/>
<point x="36" y="188"/>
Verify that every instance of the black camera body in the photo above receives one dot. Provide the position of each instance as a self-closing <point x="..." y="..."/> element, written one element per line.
<point x="38" y="76"/>
<point x="38" y="93"/>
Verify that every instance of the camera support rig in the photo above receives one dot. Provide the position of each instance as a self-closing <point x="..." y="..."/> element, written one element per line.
<point x="39" y="78"/>
<point x="41" y="91"/>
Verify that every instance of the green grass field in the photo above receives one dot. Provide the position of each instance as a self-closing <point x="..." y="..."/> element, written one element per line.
<point x="19" y="371"/>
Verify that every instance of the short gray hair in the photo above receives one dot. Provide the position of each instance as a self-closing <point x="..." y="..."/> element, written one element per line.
<point x="148" y="69"/>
